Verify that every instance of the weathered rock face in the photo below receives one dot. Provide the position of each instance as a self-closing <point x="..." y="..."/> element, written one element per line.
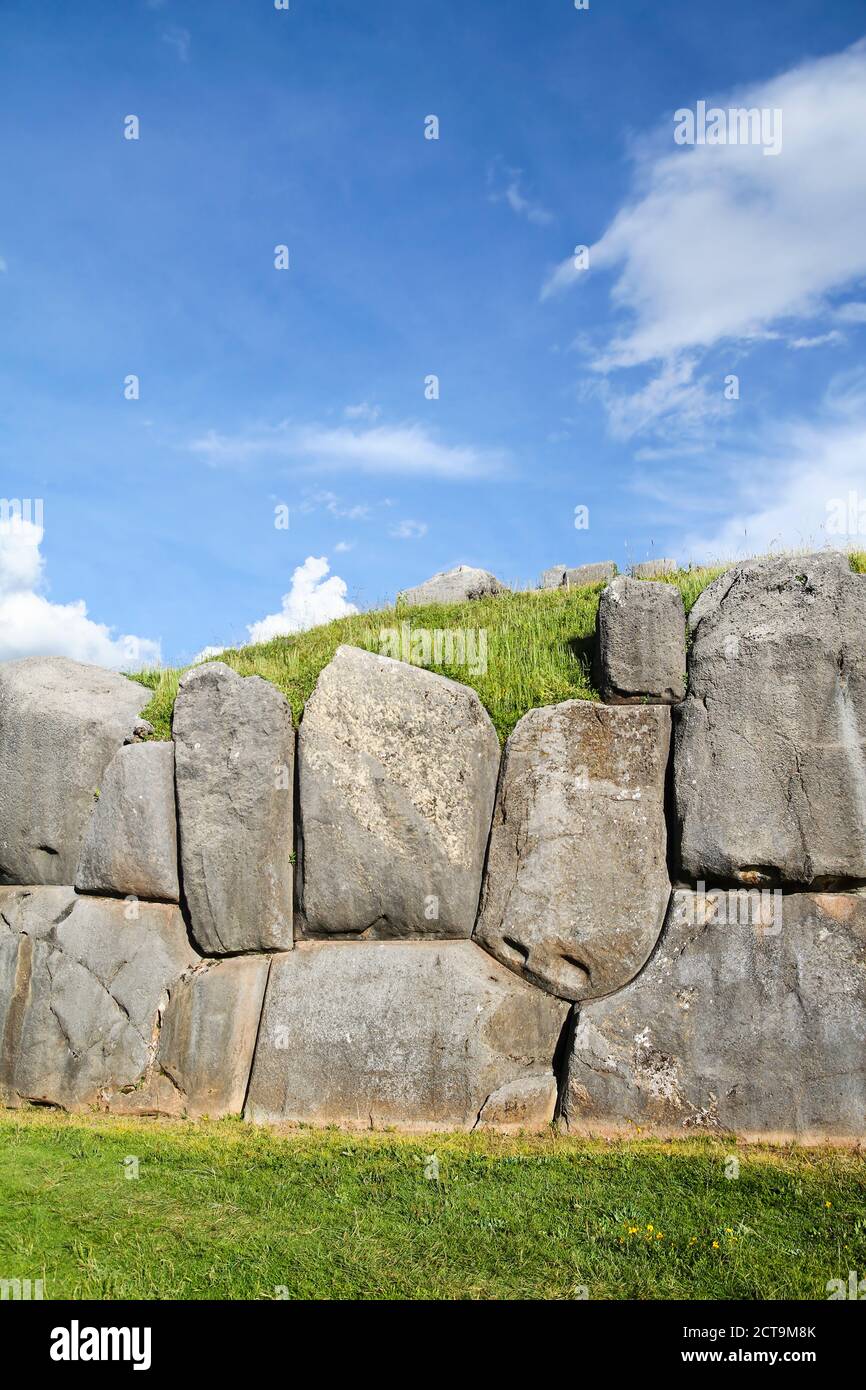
<point x="131" y="842"/>
<point x="60" y="725"/>
<point x="770" y="752"/>
<point x="560" y="576"/>
<point x="641" y="642"/>
<point x="754" y="1023"/>
<point x="651" y="569"/>
<point x="206" y="1043"/>
<point x="82" y="982"/>
<point x="234" y="747"/>
<point x="576" y="885"/>
<point x="397" y="771"/>
<point x="418" y="1034"/>
<point x="453" y="586"/>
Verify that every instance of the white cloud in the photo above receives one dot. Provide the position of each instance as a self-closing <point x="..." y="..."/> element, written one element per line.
<point x="820" y="340"/>
<point x="852" y="313"/>
<point x="507" y="185"/>
<point x="312" y="600"/>
<point x="408" y="530"/>
<point x="363" y="411"/>
<point x="178" y="39"/>
<point x="672" y="398"/>
<point x="409" y="449"/>
<point x="30" y="625"/>
<point x="789" y="495"/>
<point x="342" y="547"/>
<point x="719" y="242"/>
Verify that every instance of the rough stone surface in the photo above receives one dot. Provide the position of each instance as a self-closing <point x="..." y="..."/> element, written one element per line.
<point x="651" y="569"/>
<point x="82" y="983"/>
<point x="641" y="642"/>
<point x="576" y="885"/>
<point x="131" y="842"/>
<point x="206" y="1043"/>
<point x="60" y="725"/>
<point x="453" y="586"/>
<point x="560" y="576"/>
<point x="754" y="1023"/>
<point x="397" y="772"/>
<point x="234" y="748"/>
<point x="418" y="1034"/>
<point x="770" y="759"/>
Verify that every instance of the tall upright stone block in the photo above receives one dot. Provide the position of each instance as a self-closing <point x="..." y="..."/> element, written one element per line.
<point x="576" y="885"/>
<point x="131" y="842"/>
<point x="770" y="745"/>
<point x="61" y="723"/>
<point x="397" y="773"/>
<point x="234" y="751"/>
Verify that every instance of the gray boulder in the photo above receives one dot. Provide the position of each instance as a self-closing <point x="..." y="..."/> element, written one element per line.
<point x="397" y="772"/>
<point x="652" y="569"/>
<point x="60" y="725"/>
<point x="576" y="885"/>
<point x="750" y="1017"/>
<point x="560" y="576"/>
<point x="131" y="842"/>
<point x="641" y="643"/>
<point x="418" y="1034"/>
<point x="770" y="745"/>
<point x="234" y="752"/>
<point x="82" y="983"/>
<point x="205" y="1051"/>
<point x="453" y="586"/>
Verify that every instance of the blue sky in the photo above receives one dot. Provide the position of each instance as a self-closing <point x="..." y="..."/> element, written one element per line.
<point x="305" y="387"/>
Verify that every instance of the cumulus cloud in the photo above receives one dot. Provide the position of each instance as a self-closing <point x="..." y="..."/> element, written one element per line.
<point x="720" y="243"/>
<point x="410" y="450"/>
<point x="312" y="599"/>
<point x="30" y="625"/>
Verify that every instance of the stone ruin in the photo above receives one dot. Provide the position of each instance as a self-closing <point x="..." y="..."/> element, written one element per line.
<point x="646" y="912"/>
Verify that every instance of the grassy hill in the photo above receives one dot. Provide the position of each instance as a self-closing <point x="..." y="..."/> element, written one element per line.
<point x="539" y="645"/>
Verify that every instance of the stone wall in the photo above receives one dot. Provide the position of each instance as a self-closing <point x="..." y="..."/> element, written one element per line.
<point x="648" y="911"/>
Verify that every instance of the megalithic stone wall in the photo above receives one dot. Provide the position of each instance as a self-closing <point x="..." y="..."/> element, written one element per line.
<point x="608" y="924"/>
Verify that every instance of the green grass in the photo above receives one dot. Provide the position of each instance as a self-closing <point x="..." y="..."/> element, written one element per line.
<point x="539" y="650"/>
<point x="226" y="1210"/>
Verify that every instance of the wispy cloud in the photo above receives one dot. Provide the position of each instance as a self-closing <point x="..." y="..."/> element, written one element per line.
<point x="506" y="186"/>
<point x="179" y="39"/>
<point x="408" y="530"/>
<point x="408" y="450"/>
<point x="720" y="243"/>
<point x="363" y="411"/>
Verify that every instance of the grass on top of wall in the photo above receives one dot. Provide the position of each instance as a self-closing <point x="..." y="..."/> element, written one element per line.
<point x="539" y="648"/>
<point x="227" y="1210"/>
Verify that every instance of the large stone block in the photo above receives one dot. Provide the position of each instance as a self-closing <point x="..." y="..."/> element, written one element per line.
<point x="234" y="751"/>
<point x="418" y="1034"/>
<point x="652" y="569"/>
<point x="131" y="842"/>
<point x="748" y="1018"/>
<point x="641" y="642"/>
<point x="453" y="586"/>
<point x="397" y="772"/>
<point x="206" y="1042"/>
<point x="60" y="725"/>
<point x="770" y="745"/>
<point x="82" y="983"/>
<point x="576" y="885"/>
<point x="560" y="576"/>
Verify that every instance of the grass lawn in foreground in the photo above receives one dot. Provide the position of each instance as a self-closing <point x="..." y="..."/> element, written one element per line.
<point x="228" y="1210"/>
